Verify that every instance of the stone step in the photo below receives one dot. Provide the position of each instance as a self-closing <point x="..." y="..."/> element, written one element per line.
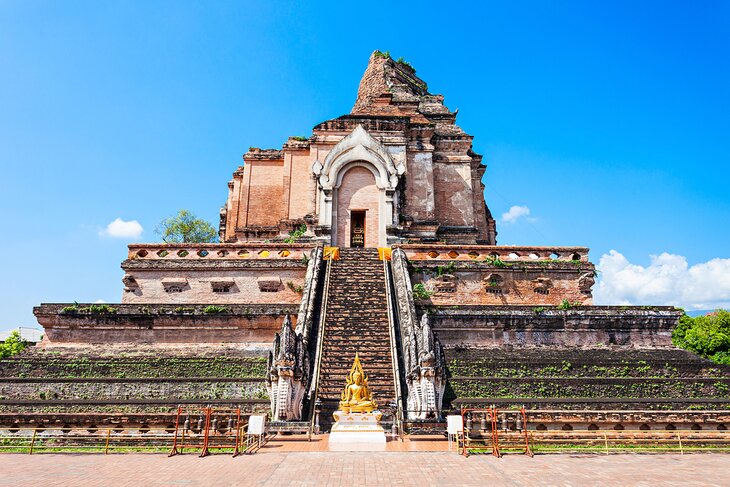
<point x="336" y="392"/>
<point x="364" y="336"/>
<point x="363" y="348"/>
<point x="356" y="321"/>
<point x="339" y="373"/>
<point x="369" y="360"/>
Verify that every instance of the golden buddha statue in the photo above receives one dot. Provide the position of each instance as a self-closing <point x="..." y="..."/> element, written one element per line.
<point x="357" y="397"/>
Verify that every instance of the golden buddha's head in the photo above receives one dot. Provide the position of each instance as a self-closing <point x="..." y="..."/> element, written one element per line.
<point x="357" y="378"/>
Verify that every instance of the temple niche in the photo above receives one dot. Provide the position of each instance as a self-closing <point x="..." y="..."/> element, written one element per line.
<point x="396" y="169"/>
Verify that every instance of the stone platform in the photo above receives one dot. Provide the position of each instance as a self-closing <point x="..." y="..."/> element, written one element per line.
<point x="357" y="432"/>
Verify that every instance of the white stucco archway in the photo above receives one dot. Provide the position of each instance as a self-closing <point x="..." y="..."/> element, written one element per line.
<point x="358" y="149"/>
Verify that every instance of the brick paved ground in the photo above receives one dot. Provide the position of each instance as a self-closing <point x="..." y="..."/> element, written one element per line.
<point x="374" y="469"/>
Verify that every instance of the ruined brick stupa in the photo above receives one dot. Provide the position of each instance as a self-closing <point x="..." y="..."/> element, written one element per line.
<point x="397" y="167"/>
<point x="372" y="236"/>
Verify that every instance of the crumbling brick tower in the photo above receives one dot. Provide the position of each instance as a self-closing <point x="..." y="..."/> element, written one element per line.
<point x="397" y="165"/>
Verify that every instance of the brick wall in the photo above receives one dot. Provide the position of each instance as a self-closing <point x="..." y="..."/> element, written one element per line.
<point x="301" y="185"/>
<point x="160" y="324"/>
<point x="453" y="194"/>
<point x="472" y="286"/>
<point x="198" y="286"/>
<point x="266" y="192"/>
<point x="497" y="326"/>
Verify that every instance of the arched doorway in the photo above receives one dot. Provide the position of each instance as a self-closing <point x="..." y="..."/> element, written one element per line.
<point x="357" y="212"/>
<point x="357" y="186"/>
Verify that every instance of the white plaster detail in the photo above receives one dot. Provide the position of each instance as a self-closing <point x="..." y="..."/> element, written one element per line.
<point x="288" y="373"/>
<point x="317" y="168"/>
<point x="359" y="149"/>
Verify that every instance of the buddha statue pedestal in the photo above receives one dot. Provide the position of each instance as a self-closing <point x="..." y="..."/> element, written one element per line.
<point x="357" y="427"/>
<point x="357" y="432"/>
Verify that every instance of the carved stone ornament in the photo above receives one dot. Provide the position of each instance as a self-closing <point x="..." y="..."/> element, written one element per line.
<point x="494" y="283"/>
<point x="269" y="284"/>
<point x="130" y="283"/>
<point x="445" y="283"/>
<point x="586" y="281"/>
<point x="426" y="373"/>
<point x="288" y="373"/>
<point x="423" y="355"/>
<point x="542" y="283"/>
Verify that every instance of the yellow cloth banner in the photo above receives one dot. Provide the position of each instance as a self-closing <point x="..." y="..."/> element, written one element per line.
<point x="331" y="253"/>
<point x="384" y="253"/>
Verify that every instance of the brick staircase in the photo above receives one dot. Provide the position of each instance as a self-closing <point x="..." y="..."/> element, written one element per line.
<point x="356" y="321"/>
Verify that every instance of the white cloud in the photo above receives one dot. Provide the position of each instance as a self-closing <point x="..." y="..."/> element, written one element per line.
<point x="99" y="301"/>
<point x="515" y="213"/>
<point x="667" y="280"/>
<point x="122" y="229"/>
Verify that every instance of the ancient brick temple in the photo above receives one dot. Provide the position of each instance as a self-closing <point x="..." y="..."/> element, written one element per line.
<point x="397" y="168"/>
<point x="371" y="236"/>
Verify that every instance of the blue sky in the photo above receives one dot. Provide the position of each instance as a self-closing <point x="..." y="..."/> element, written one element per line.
<point x="608" y="120"/>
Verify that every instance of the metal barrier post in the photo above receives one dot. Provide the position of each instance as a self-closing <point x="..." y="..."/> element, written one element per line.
<point x="495" y="433"/>
<point x="528" y="450"/>
<point x="465" y="434"/>
<point x="106" y="446"/>
<point x="204" y="452"/>
<point x="182" y="441"/>
<point x="32" y="442"/>
<point x="174" y="440"/>
<point x="236" y="451"/>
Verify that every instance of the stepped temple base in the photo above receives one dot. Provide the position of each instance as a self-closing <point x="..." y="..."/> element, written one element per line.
<point x="357" y="432"/>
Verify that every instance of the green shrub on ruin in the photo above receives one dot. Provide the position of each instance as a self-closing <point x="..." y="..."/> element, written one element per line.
<point x="295" y="288"/>
<point x="101" y="308"/>
<point x="91" y="309"/>
<point x="13" y="345"/>
<point x="402" y="61"/>
<point x="565" y="304"/>
<point x="420" y="291"/>
<point x="296" y="234"/>
<point x="214" y="310"/>
<point x="185" y="227"/>
<point x="495" y="261"/>
<point x="707" y="336"/>
<point x="138" y="367"/>
<point x="449" y="268"/>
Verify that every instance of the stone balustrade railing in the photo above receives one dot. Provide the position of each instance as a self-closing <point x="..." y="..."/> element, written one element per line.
<point x="506" y="253"/>
<point x="219" y="251"/>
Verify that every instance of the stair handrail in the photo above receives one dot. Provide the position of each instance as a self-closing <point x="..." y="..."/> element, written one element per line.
<point x="309" y="293"/>
<point x="314" y="386"/>
<point x="398" y="418"/>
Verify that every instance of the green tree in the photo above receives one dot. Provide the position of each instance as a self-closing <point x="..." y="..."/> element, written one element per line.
<point x="185" y="227"/>
<point x="708" y="336"/>
<point x="13" y="344"/>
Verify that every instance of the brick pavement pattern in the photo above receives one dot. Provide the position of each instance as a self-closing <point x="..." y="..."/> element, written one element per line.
<point x="374" y="469"/>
